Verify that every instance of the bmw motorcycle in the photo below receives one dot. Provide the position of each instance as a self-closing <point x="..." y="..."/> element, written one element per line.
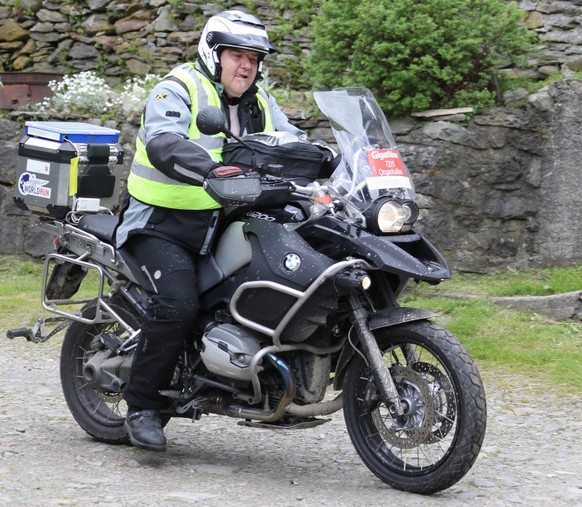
<point x="299" y="314"/>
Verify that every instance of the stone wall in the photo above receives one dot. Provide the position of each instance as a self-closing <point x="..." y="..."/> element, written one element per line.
<point x="498" y="192"/>
<point x="121" y="37"/>
<point x="502" y="192"/>
<point x="558" y="24"/>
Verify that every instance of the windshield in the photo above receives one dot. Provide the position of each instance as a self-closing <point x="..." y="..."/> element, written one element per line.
<point x="371" y="165"/>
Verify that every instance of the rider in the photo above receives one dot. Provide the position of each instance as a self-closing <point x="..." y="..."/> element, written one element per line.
<point x="168" y="218"/>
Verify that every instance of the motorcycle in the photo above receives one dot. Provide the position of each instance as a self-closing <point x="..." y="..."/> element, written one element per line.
<point x="299" y="314"/>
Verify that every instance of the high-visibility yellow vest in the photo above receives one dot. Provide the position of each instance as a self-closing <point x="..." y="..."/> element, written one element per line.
<point x="152" y="186"/>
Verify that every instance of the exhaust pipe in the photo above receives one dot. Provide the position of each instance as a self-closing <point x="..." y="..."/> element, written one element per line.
<point x="316" y="409"/>
<point x="258" y="414"/>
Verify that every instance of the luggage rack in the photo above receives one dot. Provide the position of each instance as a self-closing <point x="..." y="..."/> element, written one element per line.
<point x="93" y="256"/>
<point x="59" y="306"/>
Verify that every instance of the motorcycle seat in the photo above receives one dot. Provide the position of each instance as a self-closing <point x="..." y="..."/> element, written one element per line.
<point x="101" y="226"/>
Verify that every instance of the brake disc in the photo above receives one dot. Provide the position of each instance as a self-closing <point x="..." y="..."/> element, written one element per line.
<point x="445" y="409"/>
<point x="413" y="427"/>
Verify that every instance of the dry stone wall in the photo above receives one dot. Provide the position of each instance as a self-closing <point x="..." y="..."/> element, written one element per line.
<point x="124" y="37"/>
<point x="120" y="38"/>
<point x="497" y="192"/>
<point x="502" y="191"/>
<point x="558" y="24"/>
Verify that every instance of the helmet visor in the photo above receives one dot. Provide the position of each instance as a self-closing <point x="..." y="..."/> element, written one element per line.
<point x="243" y="41"/>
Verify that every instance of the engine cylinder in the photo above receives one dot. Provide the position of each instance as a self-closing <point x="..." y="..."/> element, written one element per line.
<point x="228" y="351"/>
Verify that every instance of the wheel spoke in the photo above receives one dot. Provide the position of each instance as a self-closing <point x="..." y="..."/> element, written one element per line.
<point x="420" y="440"/>
<point x="97" y="411"/>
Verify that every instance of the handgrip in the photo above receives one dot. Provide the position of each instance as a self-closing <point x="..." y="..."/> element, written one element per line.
<point x="19" y="331"/>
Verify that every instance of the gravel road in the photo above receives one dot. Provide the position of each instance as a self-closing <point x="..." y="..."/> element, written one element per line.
<point x="532" y="453"/>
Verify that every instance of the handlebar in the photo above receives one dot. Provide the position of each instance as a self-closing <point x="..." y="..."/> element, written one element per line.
<point x="313" y="189"/>
<point x="249" y="191"/>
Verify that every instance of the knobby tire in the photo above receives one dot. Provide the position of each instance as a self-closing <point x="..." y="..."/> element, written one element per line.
<point x="436" y="442"/>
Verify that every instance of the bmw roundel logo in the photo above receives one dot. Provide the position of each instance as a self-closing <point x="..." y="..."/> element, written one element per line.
<point x="291" y="262"/>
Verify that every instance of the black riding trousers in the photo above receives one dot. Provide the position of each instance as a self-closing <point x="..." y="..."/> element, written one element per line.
<point x="170" y="317"/>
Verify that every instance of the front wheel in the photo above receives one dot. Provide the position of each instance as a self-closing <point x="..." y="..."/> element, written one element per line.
<point x="434" y="443"/>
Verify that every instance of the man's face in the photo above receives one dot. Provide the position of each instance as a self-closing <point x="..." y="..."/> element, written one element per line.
<point x="239" y="69"/>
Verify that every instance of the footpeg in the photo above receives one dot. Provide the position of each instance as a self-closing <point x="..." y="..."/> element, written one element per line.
<point x="20" y="331"/>
<point x="37" y="334"/>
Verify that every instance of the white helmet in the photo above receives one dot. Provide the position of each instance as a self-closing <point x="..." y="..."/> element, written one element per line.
<point x="232" y="29"/>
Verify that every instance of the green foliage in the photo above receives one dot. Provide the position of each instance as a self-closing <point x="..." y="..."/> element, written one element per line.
<point x="251" y="6"/>
<point x="79" y="94"/>
<point x="416" y="54"/>
<point x="302" y="10"/>
<point x="531" y="86"/>
<point x="335" y="31"/>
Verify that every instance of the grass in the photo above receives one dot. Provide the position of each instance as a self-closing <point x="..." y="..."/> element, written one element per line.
<point x="498" y="338"/>
<point x="20" y="304"/>
<point x="539" y="282"/>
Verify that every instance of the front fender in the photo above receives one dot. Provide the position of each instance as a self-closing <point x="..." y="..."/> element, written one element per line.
<point x="382" y="319"/>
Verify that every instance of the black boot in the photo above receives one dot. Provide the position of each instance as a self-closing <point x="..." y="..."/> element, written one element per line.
<point x="144" y="428"/>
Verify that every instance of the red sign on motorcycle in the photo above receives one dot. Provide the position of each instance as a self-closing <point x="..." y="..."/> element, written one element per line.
<point x="386" y="162"/>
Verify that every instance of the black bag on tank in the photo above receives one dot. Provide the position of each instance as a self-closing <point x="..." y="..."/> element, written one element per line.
<point x="280" y="154"/>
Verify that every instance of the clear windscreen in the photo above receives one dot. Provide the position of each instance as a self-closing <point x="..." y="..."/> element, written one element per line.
<point x="371" y="165"/>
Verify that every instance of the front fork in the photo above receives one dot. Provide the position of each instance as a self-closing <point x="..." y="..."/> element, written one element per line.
<point x="373" y="354"/>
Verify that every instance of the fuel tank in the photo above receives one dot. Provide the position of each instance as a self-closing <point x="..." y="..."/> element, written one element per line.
<point x="282" y="265"/>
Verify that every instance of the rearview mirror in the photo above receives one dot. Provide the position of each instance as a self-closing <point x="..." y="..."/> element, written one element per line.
<point x="210" y="121"/>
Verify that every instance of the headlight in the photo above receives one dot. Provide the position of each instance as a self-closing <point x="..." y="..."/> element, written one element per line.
<point x="391" y="216"/>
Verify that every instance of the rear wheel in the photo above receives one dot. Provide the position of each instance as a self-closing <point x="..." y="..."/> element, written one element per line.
<point x="436" y="440"/>
<point x="99" y="412"/>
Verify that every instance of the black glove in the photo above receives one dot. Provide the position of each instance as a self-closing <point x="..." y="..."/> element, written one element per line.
<point x="225" y="171"/>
